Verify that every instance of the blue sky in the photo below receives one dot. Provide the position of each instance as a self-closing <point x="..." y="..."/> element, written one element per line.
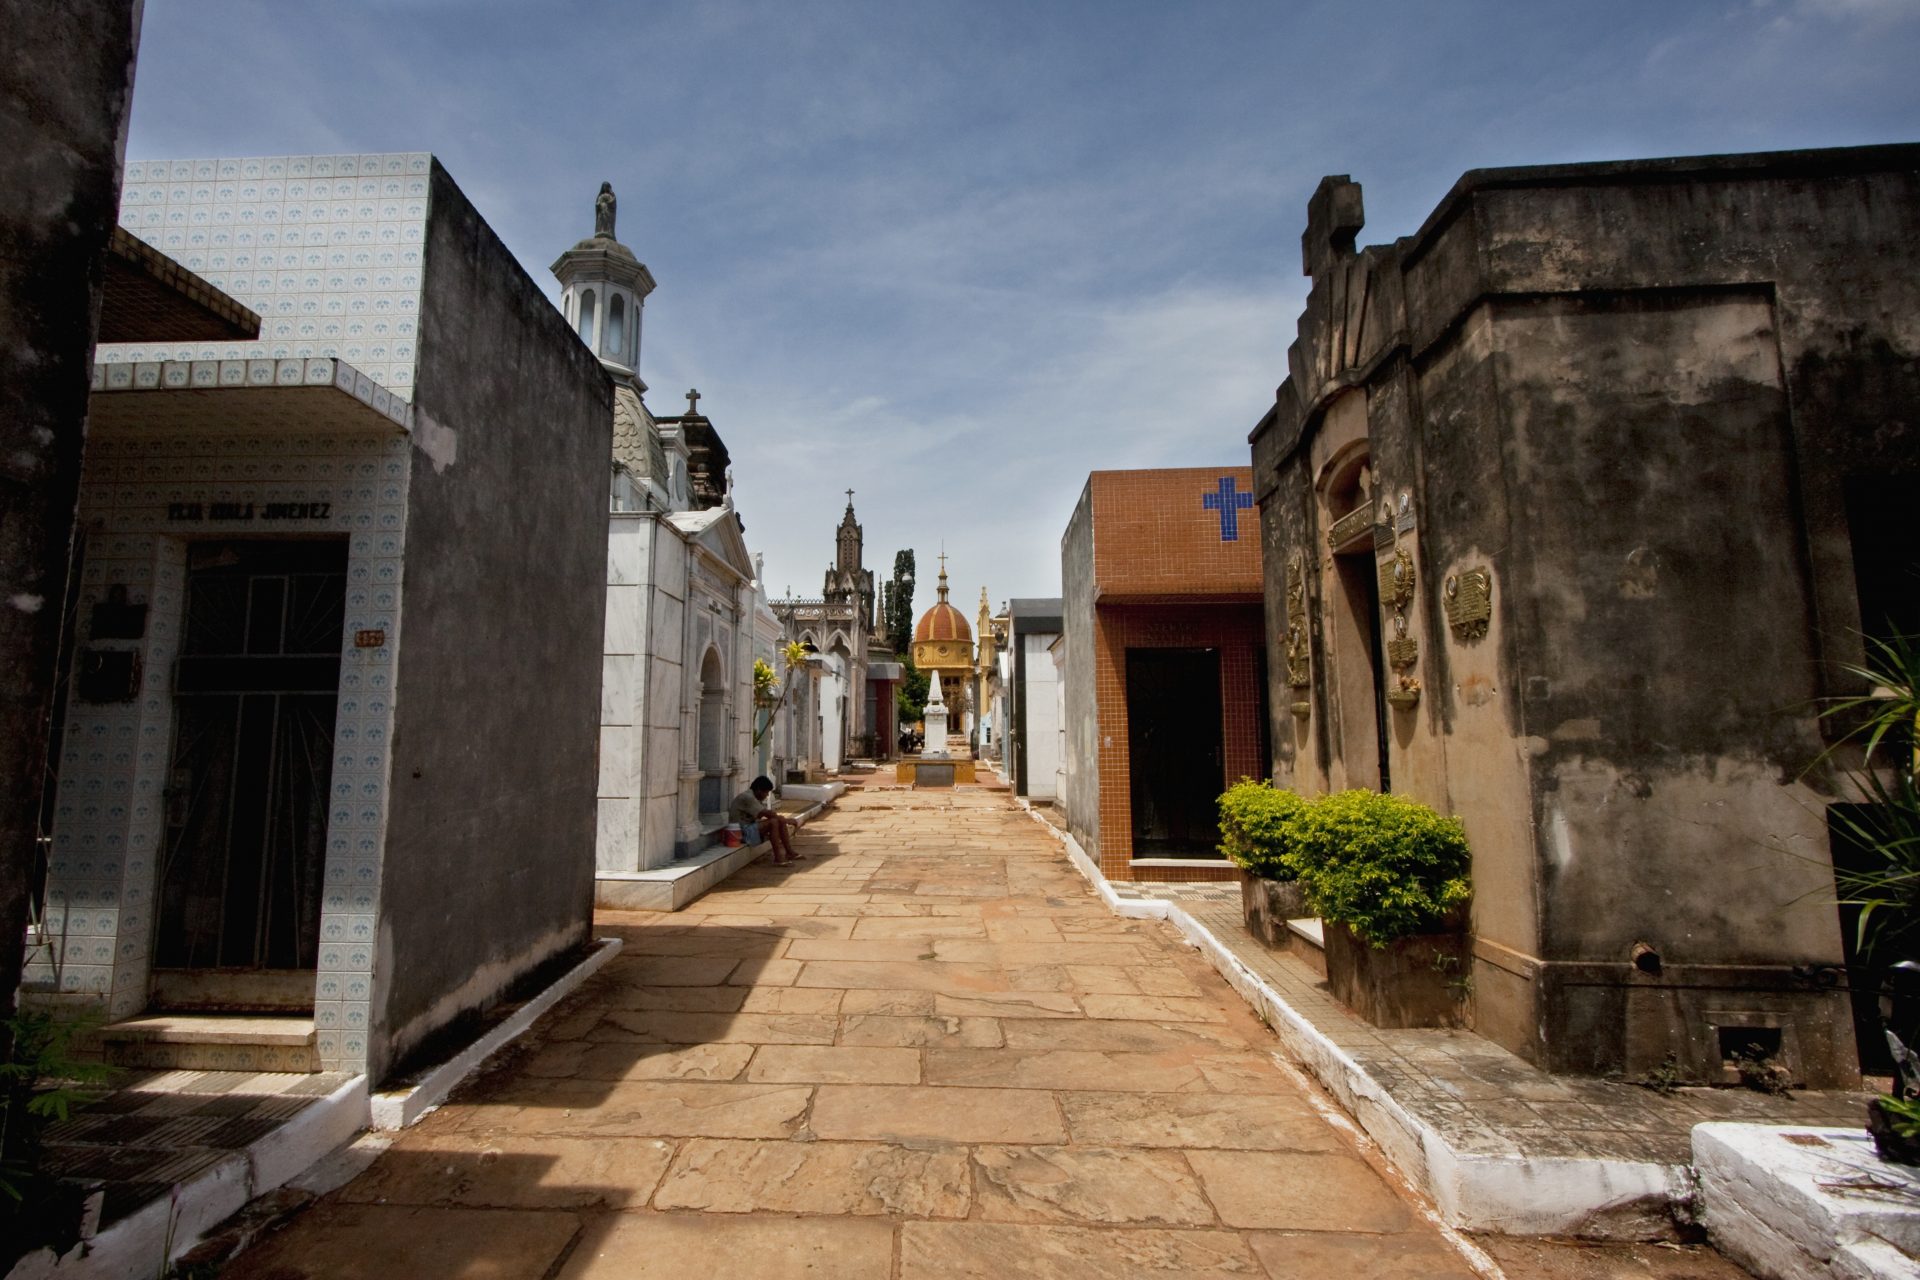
<point x="957" y="255"/>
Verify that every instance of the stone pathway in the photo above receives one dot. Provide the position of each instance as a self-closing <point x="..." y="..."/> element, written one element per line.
<point x="926" y="1050"/>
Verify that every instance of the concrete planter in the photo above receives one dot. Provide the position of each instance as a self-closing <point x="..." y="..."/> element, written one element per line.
<point x="1267" y="905"/>
<point x="1415" y="982"/>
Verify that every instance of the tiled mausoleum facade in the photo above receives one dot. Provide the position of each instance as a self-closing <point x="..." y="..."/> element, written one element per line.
<point x="1164" y="637"/>
<point x="263" y="801"/>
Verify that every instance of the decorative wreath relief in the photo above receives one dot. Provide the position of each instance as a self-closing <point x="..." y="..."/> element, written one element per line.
<point x="1469" y="601"/>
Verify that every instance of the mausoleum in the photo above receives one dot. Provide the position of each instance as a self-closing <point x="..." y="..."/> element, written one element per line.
<point x="326" y="748"/>
<point x="1575" y="505"/>
<point x="1165" y="704"/>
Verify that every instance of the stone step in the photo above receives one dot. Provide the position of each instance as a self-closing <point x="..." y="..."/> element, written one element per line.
<point x="213" y="1042"/>
<point x="1307" y="942"/>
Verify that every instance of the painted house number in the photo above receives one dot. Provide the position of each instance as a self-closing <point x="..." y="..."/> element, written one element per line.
<point x="248" y="510"/>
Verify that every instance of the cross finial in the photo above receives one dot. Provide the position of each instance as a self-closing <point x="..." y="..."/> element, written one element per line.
<point x="849" y="499"/>
<point x="943" y="564"/>
<point x="1335" y="215"/>
<point x="693" y="403"/>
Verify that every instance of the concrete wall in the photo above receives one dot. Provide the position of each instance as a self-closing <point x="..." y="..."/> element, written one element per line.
<point x="65" y="84"/>
<point x="1081" y="794"/>
<point x="489" y="860"/>
<point x="1635" y="394"/>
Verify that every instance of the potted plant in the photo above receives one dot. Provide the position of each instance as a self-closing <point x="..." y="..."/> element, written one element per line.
<point x="1389" y="879"/>
<point x="1253" y="836"/>
<point x="1881" y="741"/>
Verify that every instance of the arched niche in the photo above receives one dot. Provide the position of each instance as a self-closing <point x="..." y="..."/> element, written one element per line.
<point x="1354" y="653"/>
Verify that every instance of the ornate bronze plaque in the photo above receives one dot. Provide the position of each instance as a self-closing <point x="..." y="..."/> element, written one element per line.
<point x="1396" y="580"/>
<point x="1403" y="652"/>
<point x="1469" y="602"/>
<point x="1350" y="526"/>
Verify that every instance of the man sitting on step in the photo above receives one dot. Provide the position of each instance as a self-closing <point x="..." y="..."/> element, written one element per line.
<point x="761" y="821"/>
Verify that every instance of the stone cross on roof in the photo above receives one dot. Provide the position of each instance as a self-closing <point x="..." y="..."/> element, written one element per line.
<point x="1334" y="218"/>
<point x="693" y="403"/>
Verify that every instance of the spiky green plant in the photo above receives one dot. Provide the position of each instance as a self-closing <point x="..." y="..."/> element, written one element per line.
<point x="1883" y="725"/>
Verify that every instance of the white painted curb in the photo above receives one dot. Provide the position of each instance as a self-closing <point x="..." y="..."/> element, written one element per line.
<point x="135" y="1247"/>
<point x="399" y="1108"/>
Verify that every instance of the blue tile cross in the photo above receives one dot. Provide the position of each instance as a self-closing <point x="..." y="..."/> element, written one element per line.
<point x="1229" y="504"/>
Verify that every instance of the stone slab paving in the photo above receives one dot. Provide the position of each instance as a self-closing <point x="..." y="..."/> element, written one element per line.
<point x="924" y="1051"/>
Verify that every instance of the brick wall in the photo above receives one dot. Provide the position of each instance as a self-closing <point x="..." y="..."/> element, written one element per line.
<point x="1236" y="630"/>
<point x="1154" y="533"/>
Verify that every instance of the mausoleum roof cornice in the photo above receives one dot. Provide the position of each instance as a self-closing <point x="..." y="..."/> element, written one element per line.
<point x="605" y="259"/>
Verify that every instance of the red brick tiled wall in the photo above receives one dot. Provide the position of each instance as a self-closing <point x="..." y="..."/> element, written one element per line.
<point x="1154" y="535"/>
<point x="1236" y="629"/>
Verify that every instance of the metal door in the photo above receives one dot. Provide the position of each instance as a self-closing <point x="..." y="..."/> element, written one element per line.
<point x="1175" y="751"/>
<point x="255" y="692"/>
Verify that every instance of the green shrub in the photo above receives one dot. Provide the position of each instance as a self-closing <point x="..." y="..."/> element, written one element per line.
<point x="1253" y="828"/>
<point x="1384" y="866"/>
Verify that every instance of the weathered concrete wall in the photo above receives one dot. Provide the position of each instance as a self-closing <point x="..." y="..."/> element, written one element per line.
<point x="66" y="80"/>
<point x="490" y="845"/>
<point x="1636" y="394"/>
<point x="1081" y="795"/>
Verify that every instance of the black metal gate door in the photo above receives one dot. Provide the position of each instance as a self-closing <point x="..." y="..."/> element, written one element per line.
<point x="255" y="693"/>
<point x="1175" y="751"/>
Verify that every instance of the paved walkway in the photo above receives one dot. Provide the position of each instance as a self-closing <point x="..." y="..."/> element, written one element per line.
<point x="924" y="1051"/>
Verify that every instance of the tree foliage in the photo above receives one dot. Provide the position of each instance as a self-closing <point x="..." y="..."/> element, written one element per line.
<point x="911" y="695"/>
<point x="899" y="605"/>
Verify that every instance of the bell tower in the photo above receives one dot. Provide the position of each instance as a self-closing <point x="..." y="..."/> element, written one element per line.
<point x="849" y="540"/>
<point x="603" y="286"/>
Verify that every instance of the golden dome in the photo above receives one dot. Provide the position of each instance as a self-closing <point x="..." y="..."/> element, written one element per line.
<point x="943" y="641"/>
<point x="943" y="622"/>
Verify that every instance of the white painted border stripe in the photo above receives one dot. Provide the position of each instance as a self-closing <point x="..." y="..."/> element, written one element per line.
<point x="399" y="1108"/>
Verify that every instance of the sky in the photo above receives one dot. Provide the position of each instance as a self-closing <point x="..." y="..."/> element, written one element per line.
<point x="955" y="256"/>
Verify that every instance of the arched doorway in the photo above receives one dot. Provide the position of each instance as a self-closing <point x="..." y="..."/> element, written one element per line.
<point x="713" y="735"/>
<point x="1357" y="668"/>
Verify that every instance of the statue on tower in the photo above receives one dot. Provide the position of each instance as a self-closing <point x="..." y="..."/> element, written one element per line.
<point x="603" y="210"/>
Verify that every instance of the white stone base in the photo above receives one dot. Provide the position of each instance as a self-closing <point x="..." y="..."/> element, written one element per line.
<point x="1807" y="1204"/>
<point x="816" y="793"/>
<point x="671" y="888"/>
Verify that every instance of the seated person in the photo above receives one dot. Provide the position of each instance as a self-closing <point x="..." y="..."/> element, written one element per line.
<point x="760" y="821"/>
